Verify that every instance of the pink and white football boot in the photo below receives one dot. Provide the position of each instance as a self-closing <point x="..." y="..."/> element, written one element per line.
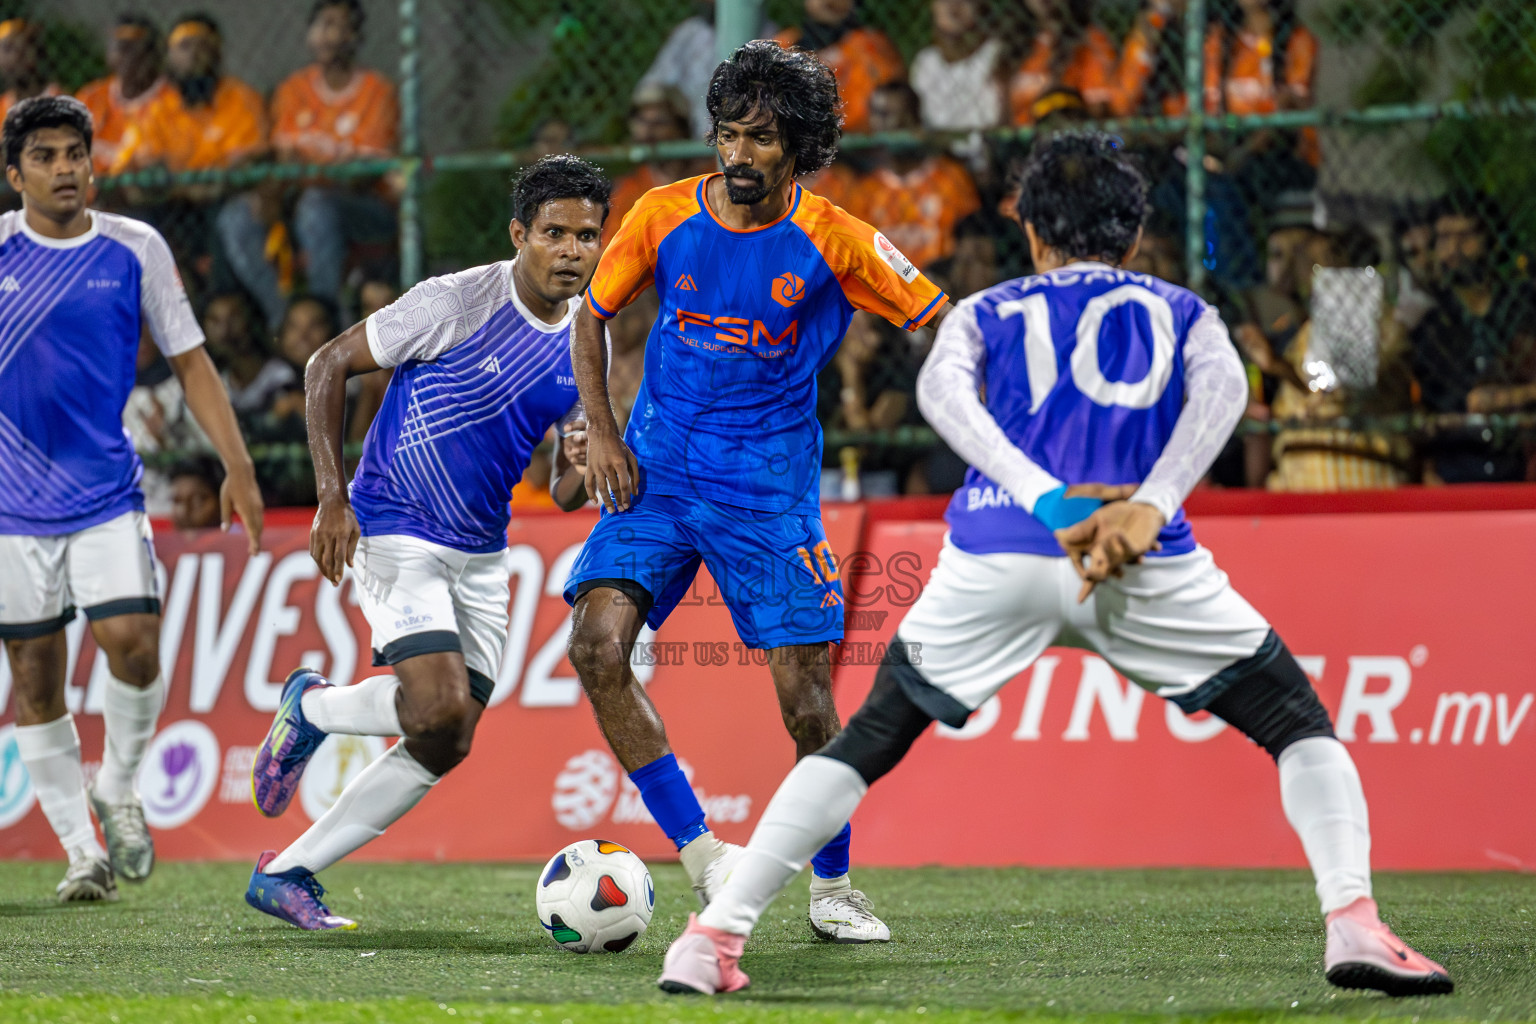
<point x="703" y="961"/>
<point x="1363" y="953"/>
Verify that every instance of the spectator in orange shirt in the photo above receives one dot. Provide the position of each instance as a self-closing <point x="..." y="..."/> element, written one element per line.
<point x="202" y="120"/>
<point x="1069" y="50"/>
<point x="918" y="196"/>
<point x="835" y="183"/>
<point x="119" y="100"/>
<point x="1259" y="60"/>
<point x="329" y="112"/>
<point x="657" y="113"/>
<point x="207" y="120"/>
<point x="22" y="64"/>
<point x="862" y="58"/>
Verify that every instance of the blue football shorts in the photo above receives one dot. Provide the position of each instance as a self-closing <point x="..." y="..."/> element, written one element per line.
<point x="775" y="570"/>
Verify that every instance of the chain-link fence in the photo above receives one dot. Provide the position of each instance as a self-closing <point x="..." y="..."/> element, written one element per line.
<point x="1354" y="186"/>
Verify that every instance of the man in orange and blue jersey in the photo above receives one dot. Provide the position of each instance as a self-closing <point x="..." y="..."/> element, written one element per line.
<point x="758" y="280"/>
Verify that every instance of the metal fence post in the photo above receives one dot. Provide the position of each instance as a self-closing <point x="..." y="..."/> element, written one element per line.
<point x="410" y="144"/>
<point x="736" y="21"/>
<point x="1194" y="143"/>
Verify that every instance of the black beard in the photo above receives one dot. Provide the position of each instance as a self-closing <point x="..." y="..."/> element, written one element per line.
<point x="1469" y="272"/>
<point x="746" y="196"/>
<point x="197" y="90"/>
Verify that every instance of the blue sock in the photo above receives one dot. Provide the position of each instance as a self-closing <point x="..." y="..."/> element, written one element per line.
<point x="831" y="861"/>
<point x="670" y="799"/>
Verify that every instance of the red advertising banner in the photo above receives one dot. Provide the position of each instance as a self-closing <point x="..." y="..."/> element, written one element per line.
<point x="1414" y="625"/>
<point x="539" y="775"/>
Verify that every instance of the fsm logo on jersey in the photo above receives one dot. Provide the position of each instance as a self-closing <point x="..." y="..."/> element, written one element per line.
<point x="336" y="763"/>
<point x="179" y="773"/>
<point x="16" y="793"/>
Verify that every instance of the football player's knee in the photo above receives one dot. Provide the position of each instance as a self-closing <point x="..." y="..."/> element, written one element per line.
<point x="881" y="732"/>
<point x="133" y="655"/>
<point x="1270" y="700"/>
<point x="443" y="719"/>
<point x="598" y="658"/>
<point x="141" y="662"/>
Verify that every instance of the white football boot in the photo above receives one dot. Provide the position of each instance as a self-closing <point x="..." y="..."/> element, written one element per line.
<point x="846" y="915"/>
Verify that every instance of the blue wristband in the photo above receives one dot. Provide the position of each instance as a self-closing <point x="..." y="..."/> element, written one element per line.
<point x="1057" y="511"/>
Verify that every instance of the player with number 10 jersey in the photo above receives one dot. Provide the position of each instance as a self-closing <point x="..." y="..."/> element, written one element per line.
<point x="1083" y="377"/>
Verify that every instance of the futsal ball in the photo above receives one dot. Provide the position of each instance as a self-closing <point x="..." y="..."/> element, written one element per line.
<point x="595" y="897"/>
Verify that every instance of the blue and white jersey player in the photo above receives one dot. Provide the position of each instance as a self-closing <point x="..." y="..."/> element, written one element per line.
<point x="77" y="290"/>
<point x="482" y="370"/>
<point x="1079" y="386"/>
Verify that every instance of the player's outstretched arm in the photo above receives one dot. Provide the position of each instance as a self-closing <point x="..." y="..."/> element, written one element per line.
<point x="612" y="475"/>
<point x="333" y="537"/>
<point x="208" y="400"/>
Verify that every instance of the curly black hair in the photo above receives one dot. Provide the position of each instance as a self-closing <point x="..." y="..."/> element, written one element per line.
<point x="763" y="82"/>
<point x="38" y="113"/>
<point x="559" y="176"/>
<point x="1084" y="195"/>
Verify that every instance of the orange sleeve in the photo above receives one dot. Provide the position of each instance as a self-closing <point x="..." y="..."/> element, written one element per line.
<point x="381" y="119"/>
<point x="244" y="120"/>
<point x="1027" y="82"/>
<point x="286" y="104"/>
<point x="1132" y="73"/>
<point x="143" y="143"/>
<point x="95" y="97"/>
<point x="1095" y="66"/>
<point x="628" y="266"/>
<point x="1301" y="61"/>
<point x="875" y="276"/>
<point x="1214" y="46"/>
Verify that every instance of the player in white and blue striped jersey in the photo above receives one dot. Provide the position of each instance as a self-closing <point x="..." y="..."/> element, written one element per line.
<point x="77" y="288"/>
<point x="482" y="370"/>
<point x="1081" y="383"/>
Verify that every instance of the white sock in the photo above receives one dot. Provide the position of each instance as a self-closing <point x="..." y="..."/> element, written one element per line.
<point x="700" y="854"/>
<point x="366" y="708"/>
<point x="129" y="713"/>
<point x="813" y="803"/>
<point x="51" y="752"/>
<point x="830" y="886"/>
<point x="1320" y="791"/>
<point x="372" y="802"/>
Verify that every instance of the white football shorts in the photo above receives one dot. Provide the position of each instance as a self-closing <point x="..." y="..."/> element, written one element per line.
<point x="107" y="569"/>
<point x="1169" y="624"/>
<point x="423" y="598"/>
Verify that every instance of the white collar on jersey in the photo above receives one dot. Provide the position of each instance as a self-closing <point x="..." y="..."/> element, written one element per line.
<point x="60" y="243"/>
<point x="571" y="306"/>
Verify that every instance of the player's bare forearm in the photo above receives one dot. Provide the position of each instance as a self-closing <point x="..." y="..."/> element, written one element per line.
<point x="589" y="360"/>
<point x="568" y="485"/>
<point x="570" y="489"/>
<point x="612" y="475"/>
<point x="334" y="536"/>
<point x="208" y="402"/>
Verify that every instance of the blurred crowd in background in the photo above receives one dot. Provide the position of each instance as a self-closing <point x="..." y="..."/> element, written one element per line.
<point x="1389" y="341"/>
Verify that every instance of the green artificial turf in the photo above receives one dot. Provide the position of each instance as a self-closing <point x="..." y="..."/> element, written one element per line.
<point x="438" y="942"/>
